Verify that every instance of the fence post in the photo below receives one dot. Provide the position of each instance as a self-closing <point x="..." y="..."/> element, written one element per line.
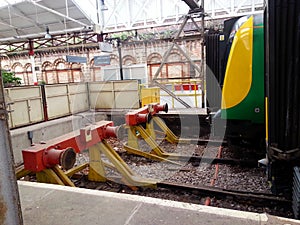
<point x="44" y="101"/>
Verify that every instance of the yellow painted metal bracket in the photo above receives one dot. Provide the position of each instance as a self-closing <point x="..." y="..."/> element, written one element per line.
<point x="21" y="172"/>
<point x="63" y="177"/>
<point x="128" y="176"/>
<point x="148" y="155"/>
<point x="96" y="170"/>
<point x="132" y="138"/>
<point x="54" y="176"/>
<point x="76" y="169"/>
<point x="150" y="129"/>
<point x="48" y="176"/>
<point x="154" y="146"/>
<point x="170" y="136"/>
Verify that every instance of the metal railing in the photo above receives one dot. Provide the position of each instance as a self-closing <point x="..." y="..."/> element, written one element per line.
<point x="180" y="93"/>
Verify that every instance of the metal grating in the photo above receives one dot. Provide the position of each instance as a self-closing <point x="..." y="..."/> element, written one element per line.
<point x="296" y="193"/>
<point x="283" y="74"/>
<point x="217" y="51"/>
<point x="213" y="73"/>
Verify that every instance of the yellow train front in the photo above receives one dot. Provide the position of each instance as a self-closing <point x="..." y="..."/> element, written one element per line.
<point x="242" y="79"/>
<point x="243" y="88"/>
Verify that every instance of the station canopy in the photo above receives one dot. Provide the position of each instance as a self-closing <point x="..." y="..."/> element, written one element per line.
<point x="21" y="20"/>
<point x="24" y="19"/>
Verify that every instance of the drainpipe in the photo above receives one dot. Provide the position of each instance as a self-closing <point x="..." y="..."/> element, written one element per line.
<point x="120" y="58"/>
<point x="32" y="60"/>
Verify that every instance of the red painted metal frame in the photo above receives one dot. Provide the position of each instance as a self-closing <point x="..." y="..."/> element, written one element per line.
<point x="142" y="115"/>
<point x="34" y="156"/>
<point x="76" y="39"/>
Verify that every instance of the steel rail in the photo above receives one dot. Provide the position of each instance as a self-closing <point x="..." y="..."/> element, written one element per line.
<point x="251" y="197"/>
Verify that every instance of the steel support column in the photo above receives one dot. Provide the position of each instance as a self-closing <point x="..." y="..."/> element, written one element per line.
<point x="10" y="209"/>
<point x="203" y="80"/>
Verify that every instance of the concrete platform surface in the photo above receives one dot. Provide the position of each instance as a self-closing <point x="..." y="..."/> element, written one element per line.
<point x="44" y="204"/>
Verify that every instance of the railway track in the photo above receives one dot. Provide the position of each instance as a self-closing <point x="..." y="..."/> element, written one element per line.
<point x="253" y="198"/>
<point x="257" y="199"/>
<point x="193" y="181"/>
<point x="248" y="201"/>
<point x="262" y="201"/>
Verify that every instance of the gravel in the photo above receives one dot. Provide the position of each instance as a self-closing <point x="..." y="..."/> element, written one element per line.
<point x="229" y="177"/>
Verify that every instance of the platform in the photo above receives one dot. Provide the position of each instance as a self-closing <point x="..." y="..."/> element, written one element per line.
<point x="188" y="111"/>
<point x="44" y="204"/>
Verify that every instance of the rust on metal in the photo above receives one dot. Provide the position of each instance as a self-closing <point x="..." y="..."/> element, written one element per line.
<point x="10" y="210"/>
<point x="3" y="210"/>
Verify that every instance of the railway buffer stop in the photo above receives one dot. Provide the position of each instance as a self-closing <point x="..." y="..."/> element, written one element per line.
<point x="54" y="161"/>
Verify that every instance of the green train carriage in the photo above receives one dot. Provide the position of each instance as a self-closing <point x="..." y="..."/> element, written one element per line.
<point x="243" y="88"/>
<point x="242" y="79"/>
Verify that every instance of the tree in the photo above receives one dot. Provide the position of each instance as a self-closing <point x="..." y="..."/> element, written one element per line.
<point x="9" y="79"/>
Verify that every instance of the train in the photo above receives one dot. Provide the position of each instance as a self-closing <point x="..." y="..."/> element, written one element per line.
<point x="255" y="62"/>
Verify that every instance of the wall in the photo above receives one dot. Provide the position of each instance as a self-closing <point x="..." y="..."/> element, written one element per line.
<point x="51" y="66"/>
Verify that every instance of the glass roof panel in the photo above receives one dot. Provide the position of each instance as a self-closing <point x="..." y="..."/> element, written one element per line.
<point x="5" y="3"/>
<point x="89" y="8"/>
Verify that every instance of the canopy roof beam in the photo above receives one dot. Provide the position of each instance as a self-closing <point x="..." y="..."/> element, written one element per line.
<point x="58" y="13"/>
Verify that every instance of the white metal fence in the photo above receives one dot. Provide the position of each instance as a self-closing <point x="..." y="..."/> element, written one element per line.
<point x="190" y="92"/>
<point x="66" y="99"/>
<point x="136" y="71"/>
<point x="114" y="95"/>
<point x="33" y="104"/>
<point x="24" y="105"/>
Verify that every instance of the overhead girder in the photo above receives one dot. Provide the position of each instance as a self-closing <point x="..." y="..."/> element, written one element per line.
<point x="125" y="15"/>
<point x="192" y="4"/>
<point x="73" y="40"/>
<point x="129" y="15"/>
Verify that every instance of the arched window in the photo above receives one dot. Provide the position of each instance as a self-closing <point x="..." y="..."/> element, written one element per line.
<point x="28" y="79"/>
<point x="95" y="72"/>
<point x="154" y="61"/>
<point x="129" y="60"/>
<point x="114" y="60"/>
<point x="48" y="75"/>
<point x="18" y="69"/>
<point x="61" y="70"/>
<point x="76" y="72"/>
<point x="175" y="65"/>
